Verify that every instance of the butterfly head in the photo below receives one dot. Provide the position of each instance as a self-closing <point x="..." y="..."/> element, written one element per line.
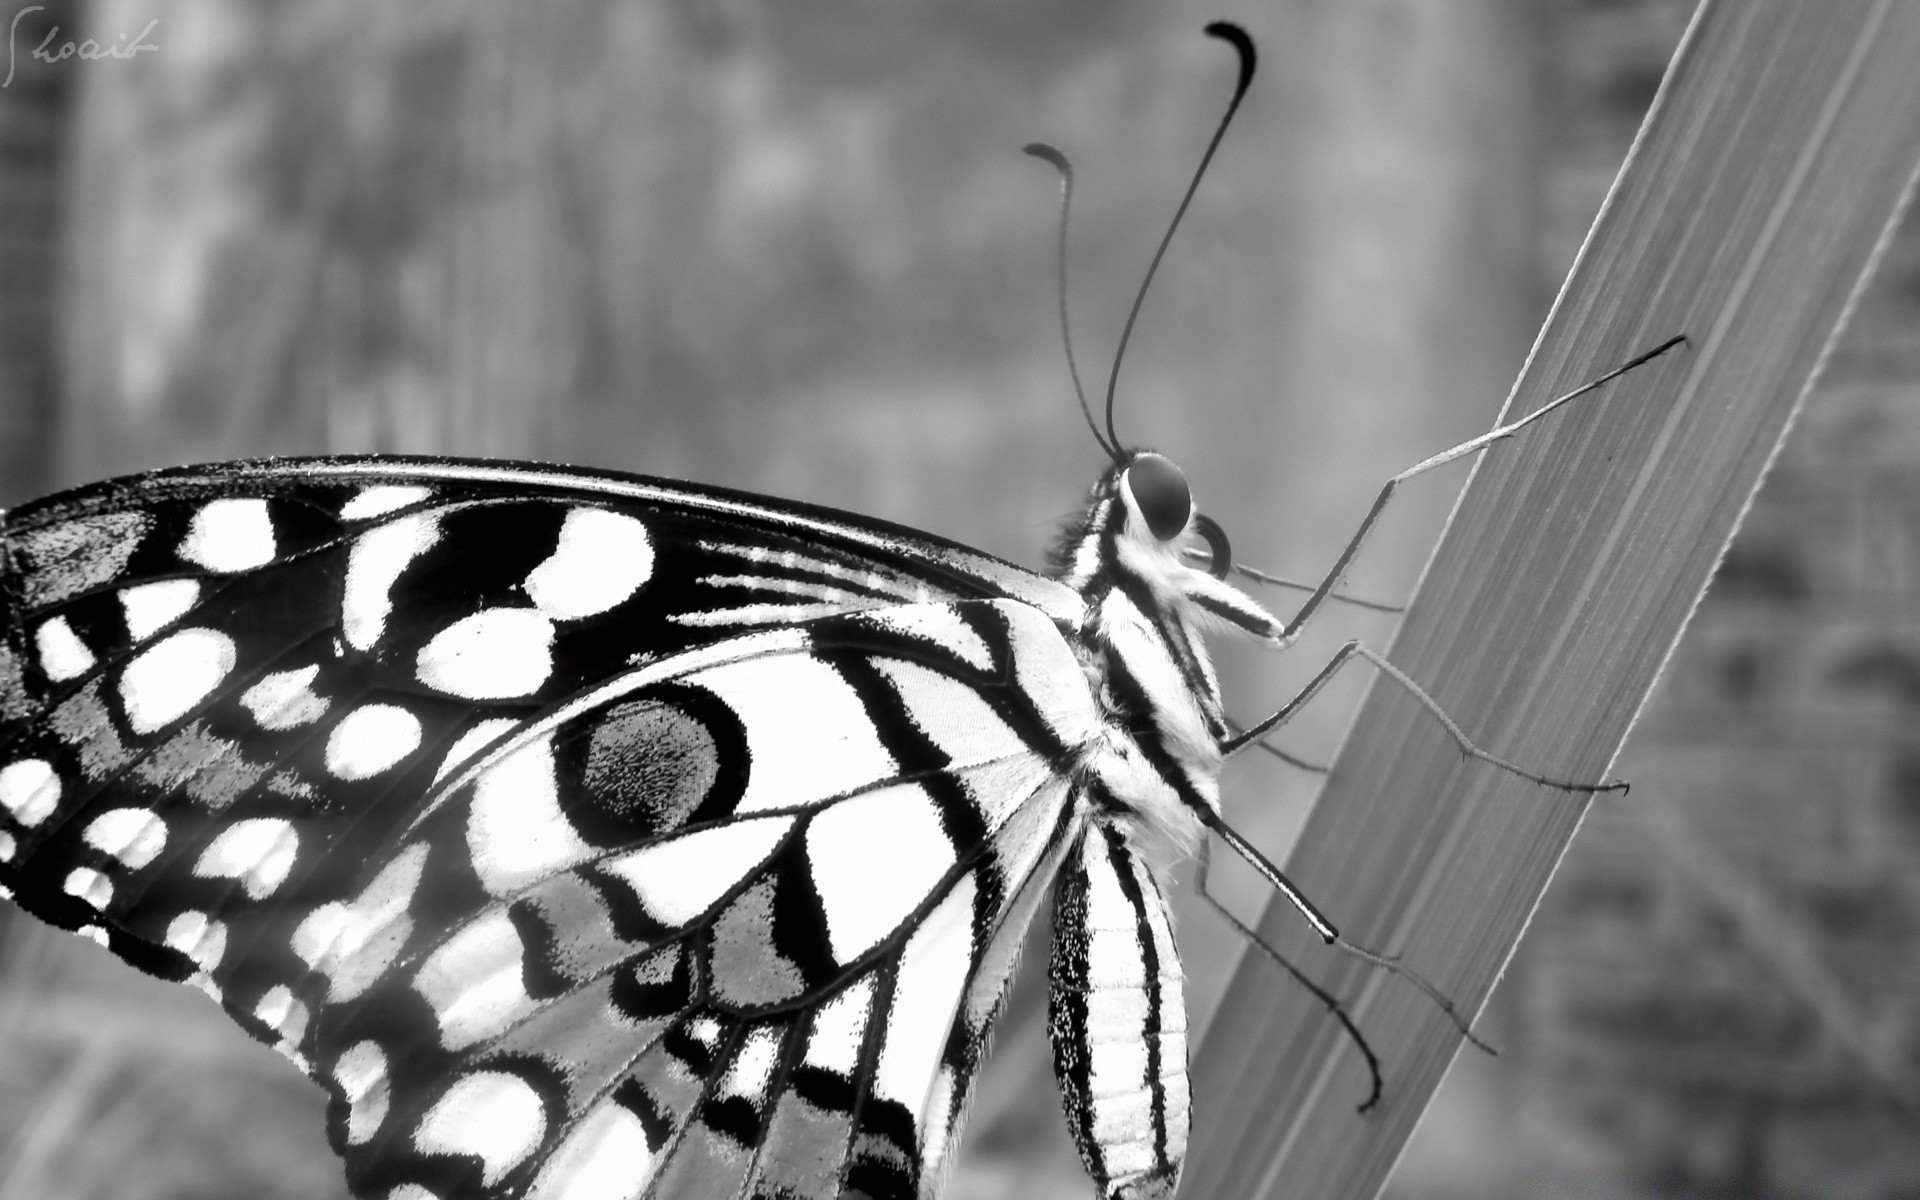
<point x="1159" y="507"/>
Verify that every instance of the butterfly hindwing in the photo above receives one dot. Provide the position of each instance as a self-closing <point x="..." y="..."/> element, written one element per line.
<point x="889" y="866"/>
<point x="456" y="790"/>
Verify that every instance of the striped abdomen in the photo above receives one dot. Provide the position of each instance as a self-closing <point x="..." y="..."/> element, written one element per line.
<point x="1119" y="1023"/>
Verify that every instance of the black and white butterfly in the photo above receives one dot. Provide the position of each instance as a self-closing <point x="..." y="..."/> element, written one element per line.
<point x="595" y="837"/>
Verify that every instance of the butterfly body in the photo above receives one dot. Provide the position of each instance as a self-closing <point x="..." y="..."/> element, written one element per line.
<point x="593" y="836"/>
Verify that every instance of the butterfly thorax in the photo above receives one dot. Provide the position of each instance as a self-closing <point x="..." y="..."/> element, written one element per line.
<point x="1142" y="649"/>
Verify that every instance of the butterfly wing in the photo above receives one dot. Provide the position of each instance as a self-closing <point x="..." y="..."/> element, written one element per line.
<point x="538" y="813"/>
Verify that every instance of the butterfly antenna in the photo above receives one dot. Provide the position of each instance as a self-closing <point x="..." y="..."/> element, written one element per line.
<point x="1043" y="151"/>
<point x="1236" y="37"/>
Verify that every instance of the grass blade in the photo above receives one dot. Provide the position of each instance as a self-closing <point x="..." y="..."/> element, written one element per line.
<point x="1781" y="146"/>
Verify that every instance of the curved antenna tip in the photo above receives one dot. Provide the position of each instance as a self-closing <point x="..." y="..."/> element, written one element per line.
<point x="1042" y="150"/>
<point x="1242" y="45"/>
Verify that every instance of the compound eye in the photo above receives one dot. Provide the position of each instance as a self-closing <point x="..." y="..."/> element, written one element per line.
<point x="1160" y="493"/>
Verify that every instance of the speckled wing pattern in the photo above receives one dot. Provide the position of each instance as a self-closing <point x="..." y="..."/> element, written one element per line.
<point x="585" y="836"/>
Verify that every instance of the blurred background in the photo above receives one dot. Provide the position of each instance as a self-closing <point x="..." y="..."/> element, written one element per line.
<point x="794" y="248"/>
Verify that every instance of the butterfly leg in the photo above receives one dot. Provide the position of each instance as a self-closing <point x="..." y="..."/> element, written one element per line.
<point x="1278" y="880"/>
<point x="1354" y="649"/>
<point x="1294" y="760"/>
<point x="1321" y="994"/>
<point x="1322" y="592"/>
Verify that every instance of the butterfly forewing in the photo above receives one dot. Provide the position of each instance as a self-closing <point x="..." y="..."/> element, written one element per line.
<point x="575" y="831"/>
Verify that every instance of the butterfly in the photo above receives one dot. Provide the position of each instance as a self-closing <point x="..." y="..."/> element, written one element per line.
<point x="593" y="836"/>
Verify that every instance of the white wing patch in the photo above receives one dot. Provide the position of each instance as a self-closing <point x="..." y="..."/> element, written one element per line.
<point x="954" y="716"/>
<point x="63" y="655"/>
<point x="361" y="1074"/>
<point x="229" y="536"/>
<point x="493" y="1116"/>
<point x="875" y="858"/>
<point x="515" y="828"/>
<point x="285" y="699"/>
<point x="278" y="1010"/>
<point x="602" y="559"/>
<point x="605" y="1157"/>
<point x="151" y="607"/>
<point x="681" y="878"/>
<point x="753" y="1065"/>
<point x="30" y="790"/>
<point x="475" y="982"/>
<point x="940" y="625"/>
<point x="164" y="682"/>
<point x="373" y="567"/>
<point x="199" y="937"/>
<point x="89" y="885"/>
<point x="135" y="836"/>
<point x="833" y="1044"/>
<point x="933" y="976"/>
<point x="381" y="499"/>
<point x="371" y="739"/>
<point x="259" y="852"/>
<point x="808" y="733"/>
<point x="495" y="654"/>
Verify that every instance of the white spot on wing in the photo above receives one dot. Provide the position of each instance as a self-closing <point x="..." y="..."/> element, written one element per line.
<point x="605" y="1157"/>
<point x="89" y="885"/>
<point x="165" y="681"/>
<point x="753" y="1065"/>
<point x="285" y="699"/>
<point x="95" y="934"/>
<point x="352" y="943"/>
<point x="954" y="716"/>
<point x="380" y="499"/>
<point x="808" y="734"/>
<point x="939" y="624"/>
<point x="491" y="1115"/>
<point x="833" y="1044"/>
<point x="495" y="654"/>
<point x="198" y="937"/>
<point x="875" y="858"/>
<point x="63" y="655"/>
<point x="132" y="835"/>
<point x="933" y="974"/>
<point x="259" y="852"/>
<point x="153" y="606"/>
<point x="602" y="558"/>
<point x="361" y="1073"/>
<point x="682" y="877"/>
<point x="7" y="849"/>
<point x="1050" y="675"/>
<point x="515" y="829"/>
<point x="230" y="535"/>
<point x="373" y="566"/>
<point x="371" y="739"/>
<point x="278" y="1010"/>
<point x="475" y="981"/>
<point x="29" y="790"/>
